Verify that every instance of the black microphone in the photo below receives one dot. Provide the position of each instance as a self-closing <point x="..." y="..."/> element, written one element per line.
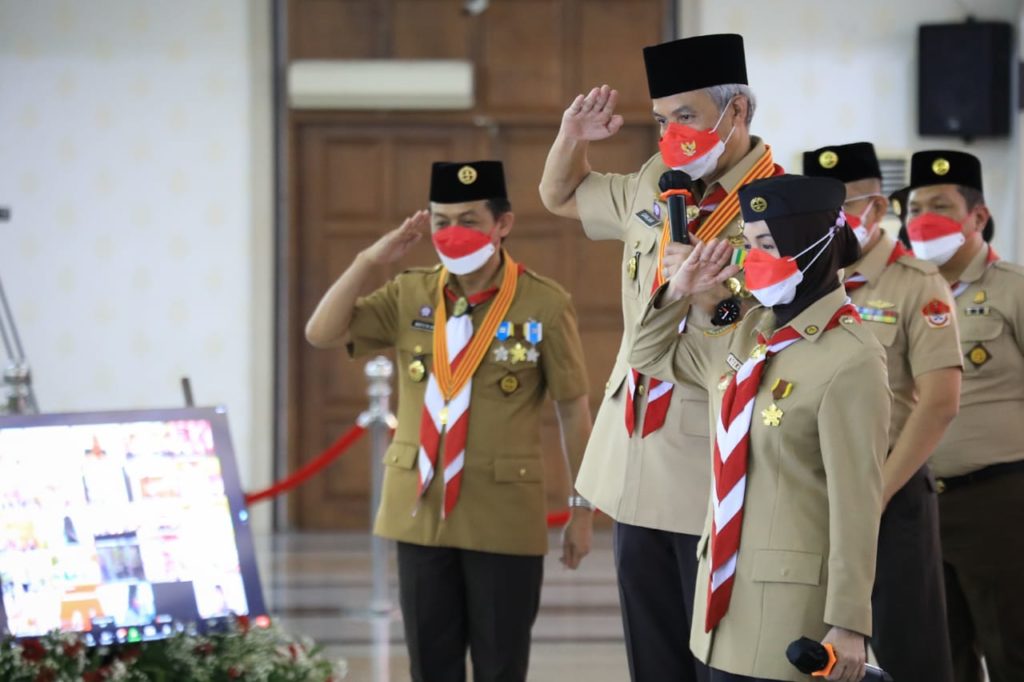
<point x="814" y="658"/>
<point x="674" y="181"/>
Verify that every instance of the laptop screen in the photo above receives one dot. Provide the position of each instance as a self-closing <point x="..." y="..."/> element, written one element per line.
<point x="124" y="526"/>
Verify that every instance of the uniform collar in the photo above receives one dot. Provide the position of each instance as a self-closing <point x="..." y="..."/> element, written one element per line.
<point x="810" y="323"/>
<point x="495" y="280"/>
<point x="875" y="261"/>
<point x="976" y="268"/>
<point x="732" y="177"/>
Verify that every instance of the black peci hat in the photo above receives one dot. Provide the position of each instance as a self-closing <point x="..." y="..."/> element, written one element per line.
<point x="786" y="195"/>
<point x="945" y="167"/>
<point x="458" y="181"/>
<point x="844" y="162"/>
<point x="694" y="63"/>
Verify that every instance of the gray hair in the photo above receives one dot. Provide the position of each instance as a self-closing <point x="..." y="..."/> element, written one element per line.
<point x="722" y="94"/>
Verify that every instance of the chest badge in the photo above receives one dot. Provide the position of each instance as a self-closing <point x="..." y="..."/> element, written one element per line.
<point x="723" y="381"/>
<point x="506" y="330"/>
<point x="772" y="415"/>
<point x="517" y="354"/>
<point x="980" y="297"/>
<point x="880" y="304"/>
<point x="979" y="355"/>
<point x="509" y="384"/>
<point x="501" y="354"/>
<point x="632" y="265"/>
<point x="417" y="370"/>
<point x="461" y="307"/>
<point x="781" y="389"/>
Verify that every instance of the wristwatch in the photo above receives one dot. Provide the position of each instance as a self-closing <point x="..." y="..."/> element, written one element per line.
<point x="580" y="501"/>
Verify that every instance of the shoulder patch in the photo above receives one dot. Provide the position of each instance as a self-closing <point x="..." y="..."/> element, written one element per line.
<point x="1007" y="266"/>
<point x="913" y="263"/>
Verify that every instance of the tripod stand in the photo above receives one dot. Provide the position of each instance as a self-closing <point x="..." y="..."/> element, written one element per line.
<point x="17" y="379"/>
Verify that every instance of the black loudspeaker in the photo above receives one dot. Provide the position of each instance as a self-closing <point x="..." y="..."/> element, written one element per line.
<point x="963" y="79"/>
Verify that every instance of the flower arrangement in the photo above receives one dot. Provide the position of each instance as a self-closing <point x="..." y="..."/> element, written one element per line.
<point x="239" y="652"/>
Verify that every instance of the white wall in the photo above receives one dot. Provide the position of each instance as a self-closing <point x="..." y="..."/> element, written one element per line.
<point x="832" y="71"/>
<point x="135" y="152"/>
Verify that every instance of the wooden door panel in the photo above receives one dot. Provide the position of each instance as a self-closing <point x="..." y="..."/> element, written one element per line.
<point x="431" y="29"/>
<point x="333" y="29"/>
<point x="522" y="65"/>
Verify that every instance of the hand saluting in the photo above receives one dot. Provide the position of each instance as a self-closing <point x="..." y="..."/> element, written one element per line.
<point x="706" y="266"/>
<point x="392" y="246"/>
<point x="592" y="117"/>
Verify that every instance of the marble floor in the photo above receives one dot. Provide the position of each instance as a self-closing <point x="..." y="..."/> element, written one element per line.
<point x="320" y="585"/>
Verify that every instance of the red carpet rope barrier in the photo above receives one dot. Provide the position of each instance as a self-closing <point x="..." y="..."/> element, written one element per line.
<point x="556" y="519"/>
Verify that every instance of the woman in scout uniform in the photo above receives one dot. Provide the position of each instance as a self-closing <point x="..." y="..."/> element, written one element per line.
<point x="647" y="464"/>
<point x="801" y="405"/>
<point x="480" y="342"/>
<point x="979" y="464"/>
<point x="892" y="291"/>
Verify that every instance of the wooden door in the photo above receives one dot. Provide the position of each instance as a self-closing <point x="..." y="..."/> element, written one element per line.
<point x="355" y="175"/>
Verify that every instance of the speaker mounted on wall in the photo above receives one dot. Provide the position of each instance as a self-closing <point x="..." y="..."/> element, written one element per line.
<point x="964" y="76"/>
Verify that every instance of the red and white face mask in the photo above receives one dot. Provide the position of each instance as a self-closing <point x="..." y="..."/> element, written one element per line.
<point x="462" y="249"/>
<point x="860" y="229"/>
<point x="695" y="152"/>
<point x="935" y="237"/>
<point x="773" y="280"/>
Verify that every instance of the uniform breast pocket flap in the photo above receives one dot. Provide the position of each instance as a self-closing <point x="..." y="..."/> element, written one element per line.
<point x="641" y="256"/>
<point x="785" y="566"/>
<point x="518" y="470"/>
<point x="884" y="332"/>
<point x="401" y="455"/>
<point x="980" y="328"/>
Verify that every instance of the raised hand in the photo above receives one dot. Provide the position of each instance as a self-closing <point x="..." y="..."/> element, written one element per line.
<point x="395" y="244"/>
<point x="592" y="117"/>
<point x="706" y="266"/>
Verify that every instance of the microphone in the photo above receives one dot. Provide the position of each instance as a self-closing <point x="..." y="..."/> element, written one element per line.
<point x="817" y="659"/>
<point x="676" y="186"/>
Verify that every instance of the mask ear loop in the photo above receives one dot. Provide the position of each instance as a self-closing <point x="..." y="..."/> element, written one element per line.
<point x="830" y="235"/>
<point x="719" y="121"/>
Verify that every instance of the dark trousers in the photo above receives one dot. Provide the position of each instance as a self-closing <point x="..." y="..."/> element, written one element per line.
<point x="910" y="638"/>
<point x="453" y="599"/>
<point x="657" y="573"/>
<point x="983" y="548"/>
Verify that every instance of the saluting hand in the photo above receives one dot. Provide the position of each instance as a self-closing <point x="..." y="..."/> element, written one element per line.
<point x="395" y="244"/>
<point x="706" y="265"/>
<point x="592" y="117"/>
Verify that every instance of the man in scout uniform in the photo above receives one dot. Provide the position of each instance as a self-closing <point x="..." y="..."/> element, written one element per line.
<point x="479" y="341"/>
<point x="894" y="292"/>
<point x="979" y="464"/>
<point x="647" y="464"/>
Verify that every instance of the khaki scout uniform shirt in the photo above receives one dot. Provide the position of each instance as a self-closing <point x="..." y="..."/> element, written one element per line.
<point x="990" y="426"/>
<point x="661" y="481"/>
<point x="814" y="479"/>
<point x="501" y="506"/>
<point x="891" y="304"/>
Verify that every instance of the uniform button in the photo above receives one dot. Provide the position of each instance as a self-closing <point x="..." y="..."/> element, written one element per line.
<point x="394" y="458"/>
<point x="784" y="572"/>
<point x="940" y="486"/>
<point x="607" y="385"/>
<point x="642" y="390"/>
<point x="636" y="244"/>
<point x="522" y="472"/>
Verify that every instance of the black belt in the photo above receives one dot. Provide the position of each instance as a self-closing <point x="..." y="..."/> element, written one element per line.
<point x="946" y="484"/>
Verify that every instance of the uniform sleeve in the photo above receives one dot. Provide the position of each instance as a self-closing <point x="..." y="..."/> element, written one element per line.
<point x="604" y="201"/>
<point x="1017" y="323"/>
<point x="853" y="425"/>
<point x="374" y="323"/>
<point x="561" y="359"/>
<point x="930" y="348"/>
<point x="660" y="351"/>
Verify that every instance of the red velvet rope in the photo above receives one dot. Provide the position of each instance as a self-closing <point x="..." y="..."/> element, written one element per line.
<point x="555" y="519"/>
<point x="333" y="451"/>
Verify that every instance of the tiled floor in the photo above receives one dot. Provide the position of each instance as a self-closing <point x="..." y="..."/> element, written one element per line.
<point x="320" y="586"/>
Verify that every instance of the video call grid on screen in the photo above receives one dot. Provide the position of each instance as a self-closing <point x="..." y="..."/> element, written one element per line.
<point x="123" y="526"/>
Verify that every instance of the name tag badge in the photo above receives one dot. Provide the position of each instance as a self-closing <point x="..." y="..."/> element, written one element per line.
<point x="977" y="310"/>
<point x="733" y="362"/>
<point x="648" y="218"/>
<point x="423" y="325"/>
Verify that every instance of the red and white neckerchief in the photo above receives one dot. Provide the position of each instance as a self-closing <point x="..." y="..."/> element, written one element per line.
<point x="732" y="450"/>
<point x="857" y="280"/>
<point x="458" y="352"/>
<point x="659" y="393"/>
<point x="959" y="287"/>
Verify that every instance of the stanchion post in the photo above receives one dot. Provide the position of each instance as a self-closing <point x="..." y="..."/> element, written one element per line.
<point x="380" y="422"/>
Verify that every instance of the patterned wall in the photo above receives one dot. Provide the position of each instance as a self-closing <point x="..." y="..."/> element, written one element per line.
<point x="139" y="249"/>
<point x="827" y="71"/>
